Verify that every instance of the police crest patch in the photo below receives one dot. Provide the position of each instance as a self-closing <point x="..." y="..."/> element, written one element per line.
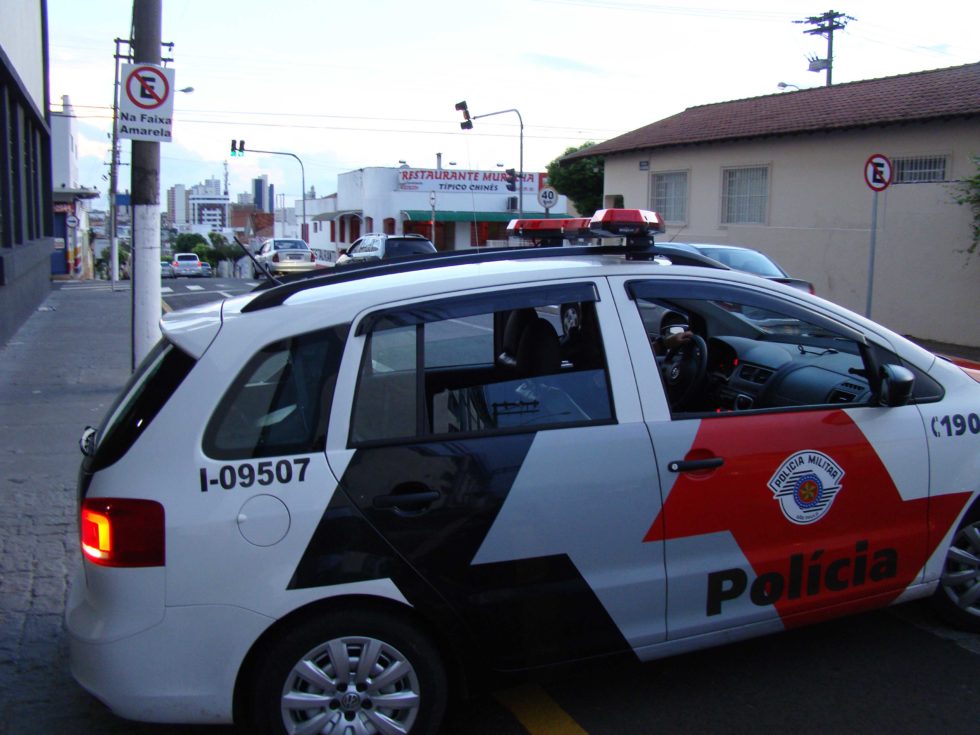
<point x="805" y="486"/>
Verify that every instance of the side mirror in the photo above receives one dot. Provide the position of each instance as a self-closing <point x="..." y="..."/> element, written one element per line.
<point x="896" y="385"/>
<point x="342" y="251"/>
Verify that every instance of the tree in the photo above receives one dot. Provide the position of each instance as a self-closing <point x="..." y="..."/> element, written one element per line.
<point x="186" y="242"/>
<point x="968" y="192"/>
<point x="580" y="180"/>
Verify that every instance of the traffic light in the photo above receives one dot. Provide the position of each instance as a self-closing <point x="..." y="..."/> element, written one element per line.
<point x="510" y="177"/>
<point x="237" y="148"/>
<point x="467" y="123"/>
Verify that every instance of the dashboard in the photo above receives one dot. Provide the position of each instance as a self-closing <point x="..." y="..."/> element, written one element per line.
<point x="745" y="373"/>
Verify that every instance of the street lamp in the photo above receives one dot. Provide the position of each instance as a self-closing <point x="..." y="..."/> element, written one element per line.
<point x="467" y="124"/>
<point x="784" y="85"/>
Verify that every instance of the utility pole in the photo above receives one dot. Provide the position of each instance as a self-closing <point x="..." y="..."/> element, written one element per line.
<point x="114" y="170"/>
<point x="145" y="162"/>
<point x="826" y="24"/>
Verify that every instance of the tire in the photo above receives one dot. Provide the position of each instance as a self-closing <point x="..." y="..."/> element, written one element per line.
<point x="301" y="678"/>
<point x="957" y="600"/>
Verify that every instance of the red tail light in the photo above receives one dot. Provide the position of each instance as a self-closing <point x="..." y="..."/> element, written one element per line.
<point x="275" y="258"/>
<point x="122" y="532"/>
<point x="312" y="257"/>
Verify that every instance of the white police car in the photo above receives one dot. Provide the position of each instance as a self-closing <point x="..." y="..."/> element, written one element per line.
<point x="420" y="473"/>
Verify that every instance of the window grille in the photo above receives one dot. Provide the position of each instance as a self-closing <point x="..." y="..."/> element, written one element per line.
<point x="745" y="195"/>
<point x="919" y="169"/>
<point x="668" y="195"/>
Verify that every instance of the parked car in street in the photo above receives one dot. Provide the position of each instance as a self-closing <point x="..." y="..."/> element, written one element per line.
<point x="384" y="482"/>
<point x="187" y="264"/>
<point x="281" y="256"/>
<point x="206" y="270"/>
<point x="166" y="270"/>
<point x="385" y="247"/>
<point x="746" y="259"/>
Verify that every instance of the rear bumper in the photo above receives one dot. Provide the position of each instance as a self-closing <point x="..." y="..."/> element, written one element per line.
<point x="182" y="669"/>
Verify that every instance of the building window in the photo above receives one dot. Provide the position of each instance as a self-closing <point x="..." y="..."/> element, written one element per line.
<point x="745" y="195"/>
<point x="919" y="169"/>
<point x="668" y="195"/>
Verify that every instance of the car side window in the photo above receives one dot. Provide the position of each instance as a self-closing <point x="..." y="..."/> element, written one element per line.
<point x="724" y="354"/>
<point x="459" y="369"/>
<point x="280" y="401"/>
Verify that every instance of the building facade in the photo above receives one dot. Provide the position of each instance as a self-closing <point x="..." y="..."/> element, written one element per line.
<point x="26" y="236"/>
<point x="454" y="208"/>
<point x="785" y="174"/>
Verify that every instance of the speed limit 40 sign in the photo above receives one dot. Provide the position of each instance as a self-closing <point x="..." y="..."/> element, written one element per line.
<point x="547" y="196"/>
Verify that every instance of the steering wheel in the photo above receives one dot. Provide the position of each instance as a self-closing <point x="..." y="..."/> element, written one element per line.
<point x="684" y="369"/>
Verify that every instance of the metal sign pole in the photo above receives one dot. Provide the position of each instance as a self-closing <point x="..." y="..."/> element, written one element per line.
<point x="871" y="257"/>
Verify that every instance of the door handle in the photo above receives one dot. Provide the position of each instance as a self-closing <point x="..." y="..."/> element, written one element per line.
<point x="694" y="465"/>
<point x="406" y="501"/>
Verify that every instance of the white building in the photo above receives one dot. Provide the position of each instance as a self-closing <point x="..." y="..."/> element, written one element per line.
<point x="208" y="206"/>
<point x="786" y="174"/>
<point x="454" y="208"/>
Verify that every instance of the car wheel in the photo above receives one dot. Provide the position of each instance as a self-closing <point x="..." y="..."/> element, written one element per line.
<point x="349" y="672"/>
<point x="957" y="599"/>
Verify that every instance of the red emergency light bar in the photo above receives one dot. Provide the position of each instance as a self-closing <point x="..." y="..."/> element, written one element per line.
<point x="604" y="223"/>
<point x="539" y="228"/>
<point x="628" y="222"/>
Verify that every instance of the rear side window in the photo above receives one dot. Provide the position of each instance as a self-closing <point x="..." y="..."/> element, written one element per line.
<point x="148" y="389"/>
<point x="280" y="401"/>
<point x="489" y="364"/>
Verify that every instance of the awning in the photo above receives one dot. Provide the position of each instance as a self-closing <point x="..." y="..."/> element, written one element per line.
<point x="425" y="215"/>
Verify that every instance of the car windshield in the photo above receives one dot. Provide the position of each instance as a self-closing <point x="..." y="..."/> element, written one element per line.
<point x="771" y="323"/>
<point x="290" y="245"/>
<point x="742" y="259"/>
<point x="188" y="257"/>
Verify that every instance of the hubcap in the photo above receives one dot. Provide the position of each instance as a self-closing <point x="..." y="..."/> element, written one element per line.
<point x="351" y="686"/>
<point x="961" y="576"/>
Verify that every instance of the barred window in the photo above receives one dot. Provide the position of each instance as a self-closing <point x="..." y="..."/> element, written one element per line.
<point x="745" y="195"/>
<point x="668" y="195"/>
<point x="919" y="169"/>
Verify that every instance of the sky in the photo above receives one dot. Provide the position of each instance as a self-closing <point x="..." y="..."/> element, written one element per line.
<point x="345" y="85"/>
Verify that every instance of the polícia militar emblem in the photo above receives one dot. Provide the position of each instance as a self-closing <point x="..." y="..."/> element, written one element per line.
<point x="805" y="486"/>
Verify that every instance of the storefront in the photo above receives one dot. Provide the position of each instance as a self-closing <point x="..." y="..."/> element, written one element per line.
<point x="454" y="208"/>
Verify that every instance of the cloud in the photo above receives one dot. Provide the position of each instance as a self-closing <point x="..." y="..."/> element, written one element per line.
<point x="558" y="63"/>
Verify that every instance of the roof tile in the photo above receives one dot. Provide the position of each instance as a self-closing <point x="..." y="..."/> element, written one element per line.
<point x="926" y="95"/>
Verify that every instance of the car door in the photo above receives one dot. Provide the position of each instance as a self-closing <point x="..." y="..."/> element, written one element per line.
<point x="519" y="492"/>
<point x="790" y="494"/>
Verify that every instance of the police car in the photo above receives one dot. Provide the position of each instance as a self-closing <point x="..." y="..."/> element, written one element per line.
<point x="425" y="471"/>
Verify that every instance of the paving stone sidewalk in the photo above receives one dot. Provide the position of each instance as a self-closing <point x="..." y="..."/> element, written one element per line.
<point x="58" y="373"/>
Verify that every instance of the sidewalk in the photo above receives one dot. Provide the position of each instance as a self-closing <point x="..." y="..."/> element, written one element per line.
<point x="59" y="372"/>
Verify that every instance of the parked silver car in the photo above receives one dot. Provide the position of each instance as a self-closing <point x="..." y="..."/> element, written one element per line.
<point x="187" y="264"/>
<point x="286" y="255"/>
<point x="747" y="260"/>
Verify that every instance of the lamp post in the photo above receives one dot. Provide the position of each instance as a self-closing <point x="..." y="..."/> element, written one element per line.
<point x="784" y="85"/>
<point x="432" y="203"/>
<point x="467" y="124"/>
<point x="302" y="171"/>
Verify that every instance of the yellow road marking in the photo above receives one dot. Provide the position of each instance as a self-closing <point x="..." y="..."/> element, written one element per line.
<point x="538" y="713"/>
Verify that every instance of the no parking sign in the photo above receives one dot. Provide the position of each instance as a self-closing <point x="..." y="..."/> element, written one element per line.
<point x="146" y="103"/>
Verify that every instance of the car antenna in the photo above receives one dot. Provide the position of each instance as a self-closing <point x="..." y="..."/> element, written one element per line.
<point x="260" y="266"/>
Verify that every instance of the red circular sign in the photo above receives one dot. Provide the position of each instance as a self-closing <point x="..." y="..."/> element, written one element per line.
<point x="878" y="172"/>
<point x="150" y="89"/>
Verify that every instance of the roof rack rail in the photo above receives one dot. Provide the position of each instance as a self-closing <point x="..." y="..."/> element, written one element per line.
<point x="270" y="295"/>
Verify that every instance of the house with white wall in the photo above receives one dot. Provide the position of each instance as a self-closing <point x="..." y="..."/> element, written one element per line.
<point x="785" y="174"/>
